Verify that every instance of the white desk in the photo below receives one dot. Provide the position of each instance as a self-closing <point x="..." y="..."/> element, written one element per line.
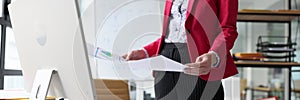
<point x="17" y="95"/>
<point x="13" y="94"/>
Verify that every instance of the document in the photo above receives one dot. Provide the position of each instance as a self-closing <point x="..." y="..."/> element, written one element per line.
<point x="142" y="69"/>
<point x="158" y="63"/>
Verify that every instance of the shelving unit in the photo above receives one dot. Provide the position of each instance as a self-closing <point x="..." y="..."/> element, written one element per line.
<point x="277" y="16"/>
<point x="274" y="16"/>
<point x="286" y="65"/>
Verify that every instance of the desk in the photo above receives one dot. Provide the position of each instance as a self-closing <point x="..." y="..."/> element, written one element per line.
<point x="258" y="64"/>
<point x="17" y="95"/>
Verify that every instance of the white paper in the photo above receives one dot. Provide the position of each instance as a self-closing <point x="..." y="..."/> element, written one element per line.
<point x="158" y="63"/>
<point x="141" y="69"/>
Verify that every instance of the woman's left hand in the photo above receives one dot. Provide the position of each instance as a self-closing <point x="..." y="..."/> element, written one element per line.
<point x="202" y="66"/>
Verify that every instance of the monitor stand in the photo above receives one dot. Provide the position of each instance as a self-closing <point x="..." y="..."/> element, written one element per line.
<point x="41" y="84"/>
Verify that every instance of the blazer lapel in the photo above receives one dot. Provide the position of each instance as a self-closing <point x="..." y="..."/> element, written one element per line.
<point x="190" y="8"/>
<point x="168" y="7"/>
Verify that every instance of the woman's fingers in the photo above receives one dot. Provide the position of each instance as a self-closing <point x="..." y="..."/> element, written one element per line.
<point x="191" y="71"/>
<point x="124" y="56"/>
<point x="196" y="69"/>
<point x="130" y="56"/>
<point x="135" y="55"/>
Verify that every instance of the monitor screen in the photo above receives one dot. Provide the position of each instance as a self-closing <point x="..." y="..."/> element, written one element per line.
<point x="49" y="35"/>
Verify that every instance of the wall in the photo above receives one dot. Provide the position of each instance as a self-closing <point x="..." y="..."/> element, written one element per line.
<point x="124" y="25"/>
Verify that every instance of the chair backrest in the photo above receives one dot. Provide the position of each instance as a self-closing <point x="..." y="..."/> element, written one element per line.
<point x="111" y="89"/>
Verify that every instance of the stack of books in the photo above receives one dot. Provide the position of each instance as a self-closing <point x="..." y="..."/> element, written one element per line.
<point x="248" y="56"/>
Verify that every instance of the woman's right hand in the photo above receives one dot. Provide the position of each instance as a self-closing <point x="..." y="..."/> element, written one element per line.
<point x="135" y="55"/>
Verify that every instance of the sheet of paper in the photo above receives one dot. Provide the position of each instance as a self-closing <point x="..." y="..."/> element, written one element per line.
<point x="158" y="63"/>
<point x="139" y="69"/>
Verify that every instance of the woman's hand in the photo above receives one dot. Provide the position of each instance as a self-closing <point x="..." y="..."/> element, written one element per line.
<point x="135" y="55"/>
<point x="202" y="66"/>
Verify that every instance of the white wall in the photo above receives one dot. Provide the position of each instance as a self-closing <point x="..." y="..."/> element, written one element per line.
<point x="124" y="25"/>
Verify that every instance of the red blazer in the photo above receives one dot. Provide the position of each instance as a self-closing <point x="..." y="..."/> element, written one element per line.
<point x="210" y="25"/>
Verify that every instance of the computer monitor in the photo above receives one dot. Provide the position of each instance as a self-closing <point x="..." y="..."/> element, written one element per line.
<point x="49" y="35"/>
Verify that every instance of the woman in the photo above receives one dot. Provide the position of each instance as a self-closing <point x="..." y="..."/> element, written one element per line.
<point x="199" y="34"/>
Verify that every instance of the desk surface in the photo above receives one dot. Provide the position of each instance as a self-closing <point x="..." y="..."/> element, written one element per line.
<point x="17" y="95"/>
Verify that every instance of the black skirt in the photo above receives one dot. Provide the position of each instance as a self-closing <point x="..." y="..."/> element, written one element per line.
<point x="180" y="86"/>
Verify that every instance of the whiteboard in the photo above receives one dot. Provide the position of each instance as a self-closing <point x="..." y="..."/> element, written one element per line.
<point x="125" y="25"/>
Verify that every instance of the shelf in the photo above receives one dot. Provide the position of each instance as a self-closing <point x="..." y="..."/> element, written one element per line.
<point x="267" y="15"/>
<point x="265" y="89"/>
<point x="266" y="64"/>
<point x="296" y="90"/>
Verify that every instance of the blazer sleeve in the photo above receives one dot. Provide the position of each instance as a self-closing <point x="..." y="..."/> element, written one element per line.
<point x="227" y="15"/>
<point x="153" y="47"/>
